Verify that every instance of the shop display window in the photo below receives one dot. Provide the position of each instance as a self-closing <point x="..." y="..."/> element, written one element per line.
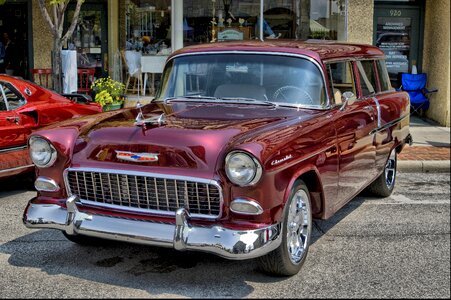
<point x="218" y="20"/>
<point x="148" y="26"/>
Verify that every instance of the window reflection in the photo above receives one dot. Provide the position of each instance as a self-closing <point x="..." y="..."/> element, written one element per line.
<point x="148" y="25"/>
<point x="217" y="20"/>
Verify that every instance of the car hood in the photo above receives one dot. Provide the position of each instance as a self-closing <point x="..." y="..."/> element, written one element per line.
<point x="188" y="136"/>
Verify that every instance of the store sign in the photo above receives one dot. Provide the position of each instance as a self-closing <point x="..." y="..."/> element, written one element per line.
<point x="230" y="34"/>
<point x="393" y="37"/>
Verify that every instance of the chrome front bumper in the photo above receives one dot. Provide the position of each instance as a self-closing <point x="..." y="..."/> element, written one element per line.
<point x="231" y="244"/>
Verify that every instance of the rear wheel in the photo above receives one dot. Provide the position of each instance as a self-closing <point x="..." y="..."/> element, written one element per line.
<point x="288" y="259"/>
<point x="383" y="186"/>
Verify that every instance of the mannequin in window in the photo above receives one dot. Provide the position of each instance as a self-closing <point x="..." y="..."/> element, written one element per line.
<point x="267" y="30"/>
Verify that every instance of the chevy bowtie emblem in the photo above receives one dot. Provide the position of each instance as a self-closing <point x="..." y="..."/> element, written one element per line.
<point x="137" y="157"/>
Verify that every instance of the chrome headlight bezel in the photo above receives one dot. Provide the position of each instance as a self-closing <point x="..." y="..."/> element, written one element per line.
<point x="51" y="151"/>
<point x="252" y="162"/>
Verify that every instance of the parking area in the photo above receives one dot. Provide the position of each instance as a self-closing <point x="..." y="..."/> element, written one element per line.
<point x="397" y="247"/>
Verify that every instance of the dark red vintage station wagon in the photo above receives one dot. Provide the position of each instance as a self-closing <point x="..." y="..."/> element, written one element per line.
<point x="243" y="146"/>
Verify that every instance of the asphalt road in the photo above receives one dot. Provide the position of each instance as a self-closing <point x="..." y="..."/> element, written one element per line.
<point x="397" y="247"/>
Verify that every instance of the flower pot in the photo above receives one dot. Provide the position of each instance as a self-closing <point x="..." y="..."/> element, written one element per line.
<point x="112" y="106"/>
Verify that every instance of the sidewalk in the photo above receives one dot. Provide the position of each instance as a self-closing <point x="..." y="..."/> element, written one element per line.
<point x="430" y="151"/>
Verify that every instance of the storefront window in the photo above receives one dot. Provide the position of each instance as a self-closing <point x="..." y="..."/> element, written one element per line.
<point x="218" y="20"/>
<point x="148" y="26"/>
<point x="89" y="38"/>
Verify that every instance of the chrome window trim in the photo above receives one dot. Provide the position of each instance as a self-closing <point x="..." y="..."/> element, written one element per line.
<point x="15" y="169"/>
<point x="314" y="61"/>
<point x="4" y="150"/>
<point x="389" y="124"/>
<point x="4" y="96"/>
<point x="379" y="114"/>
<point x="144" y="174"/>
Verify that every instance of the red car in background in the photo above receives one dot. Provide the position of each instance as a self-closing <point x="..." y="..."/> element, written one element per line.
<point x="24" y="107"/>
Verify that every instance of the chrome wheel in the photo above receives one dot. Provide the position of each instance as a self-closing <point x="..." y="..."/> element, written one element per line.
<point x="298" y="226"/>
<point x="390" y="170"/>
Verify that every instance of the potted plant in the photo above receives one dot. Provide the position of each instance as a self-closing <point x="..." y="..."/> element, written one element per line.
<point x="109" y="93"/>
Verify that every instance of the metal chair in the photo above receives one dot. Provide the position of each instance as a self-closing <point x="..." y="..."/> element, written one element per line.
<point x="85" y="80"/>
<point x="415" y="86"/>
<point x="42" y="77"/>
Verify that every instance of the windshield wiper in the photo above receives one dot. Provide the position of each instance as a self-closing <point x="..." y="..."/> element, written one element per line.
<point x="192" y="98"/>
<point x="209" y="99"/>
<point x="247" y="100"/>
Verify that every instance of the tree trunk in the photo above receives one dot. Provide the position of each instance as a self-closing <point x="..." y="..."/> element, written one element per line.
<point x="57" y="66"/>
<point x="303" y="30"/>
<point x="56" y="27"/>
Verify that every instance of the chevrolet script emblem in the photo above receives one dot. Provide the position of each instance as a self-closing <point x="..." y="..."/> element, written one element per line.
<point x="137" y="157"/>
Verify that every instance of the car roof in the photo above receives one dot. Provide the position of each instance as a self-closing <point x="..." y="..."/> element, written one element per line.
<point x="318" y="49"/>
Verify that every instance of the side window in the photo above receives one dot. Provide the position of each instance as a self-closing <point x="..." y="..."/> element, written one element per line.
<point x="367" y="77"/>
<point x="341" y="78"/>
<point x="3" y="106"/>
<point x="13" y="99"/>
<point x="384" y="79"/>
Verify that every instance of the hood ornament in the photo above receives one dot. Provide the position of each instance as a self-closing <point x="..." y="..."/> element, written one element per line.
<point x="140" y="117"/>
<point x="137" y="157"/>
<point x="155" y="120"/>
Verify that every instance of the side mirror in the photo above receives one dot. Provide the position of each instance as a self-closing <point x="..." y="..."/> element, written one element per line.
<point x="348" y="98"/>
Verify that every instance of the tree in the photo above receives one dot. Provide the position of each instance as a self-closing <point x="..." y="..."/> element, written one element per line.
<point x="56" y="25"/>
<point x="303" y="29"/>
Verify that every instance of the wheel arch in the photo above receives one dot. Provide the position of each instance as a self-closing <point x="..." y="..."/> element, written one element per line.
<point x="310" y="176"/>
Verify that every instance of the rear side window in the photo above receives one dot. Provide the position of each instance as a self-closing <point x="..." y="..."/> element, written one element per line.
<point x="384" y="79"/>
<point x="9" y="98"/>
<point x="367" y="74"/>
<point x="341" y="78"/>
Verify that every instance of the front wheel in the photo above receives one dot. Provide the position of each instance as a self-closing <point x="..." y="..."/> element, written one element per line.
<point x="289" y="257"/>
<point x="383" y="186"/>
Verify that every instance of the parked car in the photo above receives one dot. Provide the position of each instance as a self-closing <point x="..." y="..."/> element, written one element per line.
<point x="24" y="107"/>
<point x="244" y="144"/>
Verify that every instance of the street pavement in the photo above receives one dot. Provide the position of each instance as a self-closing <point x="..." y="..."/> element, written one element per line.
<point x="395" y="247"/>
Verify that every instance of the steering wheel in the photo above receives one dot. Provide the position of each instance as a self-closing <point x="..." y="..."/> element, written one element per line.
<point x="292" y="94"/>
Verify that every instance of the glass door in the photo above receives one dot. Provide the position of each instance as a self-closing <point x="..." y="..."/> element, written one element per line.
<point x="397" y="33"/>
<point x="90" y="37"/>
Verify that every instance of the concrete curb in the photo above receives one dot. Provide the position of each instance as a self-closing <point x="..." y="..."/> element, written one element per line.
<point x="424" y="166"/>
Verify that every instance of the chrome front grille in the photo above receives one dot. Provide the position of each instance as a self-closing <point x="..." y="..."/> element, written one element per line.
<point x="144" y="192"/>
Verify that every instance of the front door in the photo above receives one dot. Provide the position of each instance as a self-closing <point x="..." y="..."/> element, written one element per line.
<point x="398" y="32"/>
<point x="13" y="135"/>
<point x="353" y="124"/>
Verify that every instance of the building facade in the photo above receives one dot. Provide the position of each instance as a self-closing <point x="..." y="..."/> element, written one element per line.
<point x="410" y="32"/>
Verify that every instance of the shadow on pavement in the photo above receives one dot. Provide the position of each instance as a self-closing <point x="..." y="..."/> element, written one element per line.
<point x="155" y="270"/>
<point x="16" y="184"/>
<point x="439" y="144"/>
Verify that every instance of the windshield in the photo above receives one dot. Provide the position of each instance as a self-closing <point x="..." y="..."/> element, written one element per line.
<point x="254" y="78"/>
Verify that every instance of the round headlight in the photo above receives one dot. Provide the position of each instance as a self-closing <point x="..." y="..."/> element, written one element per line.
<point x="42" y="153"/>
<point x="242" y="168"/>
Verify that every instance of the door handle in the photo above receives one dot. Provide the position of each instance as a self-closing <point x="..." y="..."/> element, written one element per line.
<point x="13" y="119"/>
<point x="370" y="110"/>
